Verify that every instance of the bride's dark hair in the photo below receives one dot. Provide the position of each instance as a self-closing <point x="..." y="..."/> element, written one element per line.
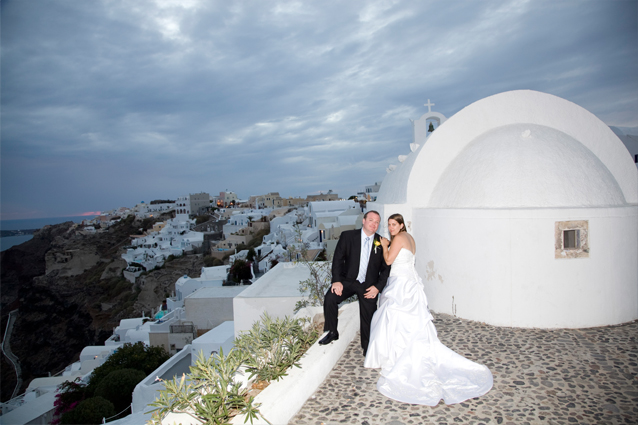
<point x="399" y="219"/>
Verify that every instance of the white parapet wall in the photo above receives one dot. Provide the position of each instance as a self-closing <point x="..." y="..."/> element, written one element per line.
<point x="282" y="399"/>
<point x="147" y="390"/>
<point x="38" y="410"/>
<point x="211" y="342"/>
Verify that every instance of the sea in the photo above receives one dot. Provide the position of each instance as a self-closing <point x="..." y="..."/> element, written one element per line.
<point x="32" y="223"/>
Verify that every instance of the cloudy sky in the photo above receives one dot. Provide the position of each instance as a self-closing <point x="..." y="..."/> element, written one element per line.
<point x="106" y="103"/>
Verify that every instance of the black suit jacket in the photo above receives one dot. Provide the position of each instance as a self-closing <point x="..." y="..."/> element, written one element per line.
<point x="345" y="263"/>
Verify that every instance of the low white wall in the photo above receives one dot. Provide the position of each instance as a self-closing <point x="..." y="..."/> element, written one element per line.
<point x="499" y="267"/>
<point x="38" y="411"/>
<point x="294" y="389"/>
<point x="147" y="390"/>
<point x="210" y="343"/>
<point x="282" y="399"/>
<point x="92" y="352"/>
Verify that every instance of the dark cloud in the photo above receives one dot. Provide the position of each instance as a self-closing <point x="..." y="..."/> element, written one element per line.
<point x="108" y="103"/>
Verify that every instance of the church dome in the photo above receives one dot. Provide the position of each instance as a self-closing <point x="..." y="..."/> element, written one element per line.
<point x="526" y="166"/>
<point x="518" y="149"/>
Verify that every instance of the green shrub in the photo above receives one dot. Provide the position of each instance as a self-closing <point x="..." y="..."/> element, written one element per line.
<point x="240" y="270"/>
<point x="272" y="346"/>
<point x="122" y="286"/>
<point x="209" y="261"/>
<point x="210" y="392"/>
<point x="130" y="356"/>
<point x="90" y="411"/>
<point x="258" y="238"/>
<point x="148" y="223"/>
<point x="201" y="219"/>
<point x="69" y="395"/>
<point x="117" y="387"/>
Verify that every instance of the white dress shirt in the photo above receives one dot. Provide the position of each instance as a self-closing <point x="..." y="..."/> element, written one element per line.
<point x="365" y="255"/>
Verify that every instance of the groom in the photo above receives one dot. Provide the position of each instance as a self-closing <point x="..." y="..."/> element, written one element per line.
<point x="357" y="268"/>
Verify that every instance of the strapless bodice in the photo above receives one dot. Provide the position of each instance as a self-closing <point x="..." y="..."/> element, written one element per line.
<point x="404" y="263"/>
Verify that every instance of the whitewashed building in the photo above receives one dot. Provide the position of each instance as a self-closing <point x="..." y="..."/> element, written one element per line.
<point x="524" y="207"/>
<point x="144" y="210"/>
<point x="327" y="212"/>
<point x="185" y="285"/>
<point x="240" y="219"/>
<point x="175" y="238"/>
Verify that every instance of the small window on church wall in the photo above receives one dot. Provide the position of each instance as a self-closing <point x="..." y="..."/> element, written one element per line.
<point x="571" y="239"/>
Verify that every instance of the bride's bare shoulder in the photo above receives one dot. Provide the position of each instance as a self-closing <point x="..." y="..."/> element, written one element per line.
<point x="402" y="240"/>
<point x="401" y="237"/>
<point x="410" y="243"/>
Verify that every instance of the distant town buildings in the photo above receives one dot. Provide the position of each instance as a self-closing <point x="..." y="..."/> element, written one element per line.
<point x="175" y="238"/>
<point x="323" y="197"/>
<point x="194" y="203"/>
<point x="370" y="192"/>
<point x="226" y="199"/>
<point x="144" y="210"/>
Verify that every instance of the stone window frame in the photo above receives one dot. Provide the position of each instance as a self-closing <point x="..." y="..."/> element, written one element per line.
<point x="582" y="249"/>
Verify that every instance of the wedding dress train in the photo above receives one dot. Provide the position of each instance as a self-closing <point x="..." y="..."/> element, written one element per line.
<point x="415" y="366"/>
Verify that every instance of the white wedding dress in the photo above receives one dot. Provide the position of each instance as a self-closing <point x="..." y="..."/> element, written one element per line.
<point x="415" y="367"/>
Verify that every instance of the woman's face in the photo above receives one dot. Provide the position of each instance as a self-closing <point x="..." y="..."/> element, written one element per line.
<point x="394" y="227"/>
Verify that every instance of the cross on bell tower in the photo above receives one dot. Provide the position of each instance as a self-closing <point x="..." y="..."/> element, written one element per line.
<point x="429" y="105"/>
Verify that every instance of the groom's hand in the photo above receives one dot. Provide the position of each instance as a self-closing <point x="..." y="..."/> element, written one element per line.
<point x="337" y="288"/>
<point x="371" y="292"/>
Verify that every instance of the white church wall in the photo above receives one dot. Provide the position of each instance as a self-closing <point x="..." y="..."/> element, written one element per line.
<point x="386" y="210"/>
<point x="499" y="266"/>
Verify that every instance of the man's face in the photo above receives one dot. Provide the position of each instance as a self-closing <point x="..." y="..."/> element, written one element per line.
<point x="371" y="224"/>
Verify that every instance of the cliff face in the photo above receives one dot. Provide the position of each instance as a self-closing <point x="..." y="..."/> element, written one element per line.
<point x="70" y="293"/>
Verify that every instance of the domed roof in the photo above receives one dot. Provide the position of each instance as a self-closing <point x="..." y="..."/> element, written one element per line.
<point x="526" y="166"/>
<point x="518" y="149"/>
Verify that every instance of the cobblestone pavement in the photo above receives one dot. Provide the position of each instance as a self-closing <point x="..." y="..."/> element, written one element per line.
<point x="561" y="376"/>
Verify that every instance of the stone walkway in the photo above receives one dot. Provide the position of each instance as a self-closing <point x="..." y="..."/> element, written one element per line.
<point x="562" y="376"/>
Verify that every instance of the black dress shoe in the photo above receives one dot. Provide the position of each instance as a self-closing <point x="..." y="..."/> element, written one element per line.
<point x="330" y="336"/>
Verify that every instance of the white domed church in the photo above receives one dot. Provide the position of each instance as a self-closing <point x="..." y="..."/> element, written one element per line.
<point x="524" y="207"/>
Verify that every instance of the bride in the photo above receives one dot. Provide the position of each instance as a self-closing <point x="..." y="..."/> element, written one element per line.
<point x="415" y="366"/>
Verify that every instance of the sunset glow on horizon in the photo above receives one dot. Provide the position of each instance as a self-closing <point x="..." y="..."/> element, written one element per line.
<point x="90" y="213"/>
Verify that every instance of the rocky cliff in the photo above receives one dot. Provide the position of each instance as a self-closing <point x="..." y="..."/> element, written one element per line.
<point x="69" y="292"/>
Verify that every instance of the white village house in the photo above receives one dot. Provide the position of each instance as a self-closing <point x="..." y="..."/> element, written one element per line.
<point x="175" y="238"/>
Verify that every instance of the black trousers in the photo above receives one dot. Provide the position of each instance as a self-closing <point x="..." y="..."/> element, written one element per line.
<point x="367" y="307"/>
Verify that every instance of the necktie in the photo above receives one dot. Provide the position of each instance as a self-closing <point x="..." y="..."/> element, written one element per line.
<point x="365" y="256"/>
